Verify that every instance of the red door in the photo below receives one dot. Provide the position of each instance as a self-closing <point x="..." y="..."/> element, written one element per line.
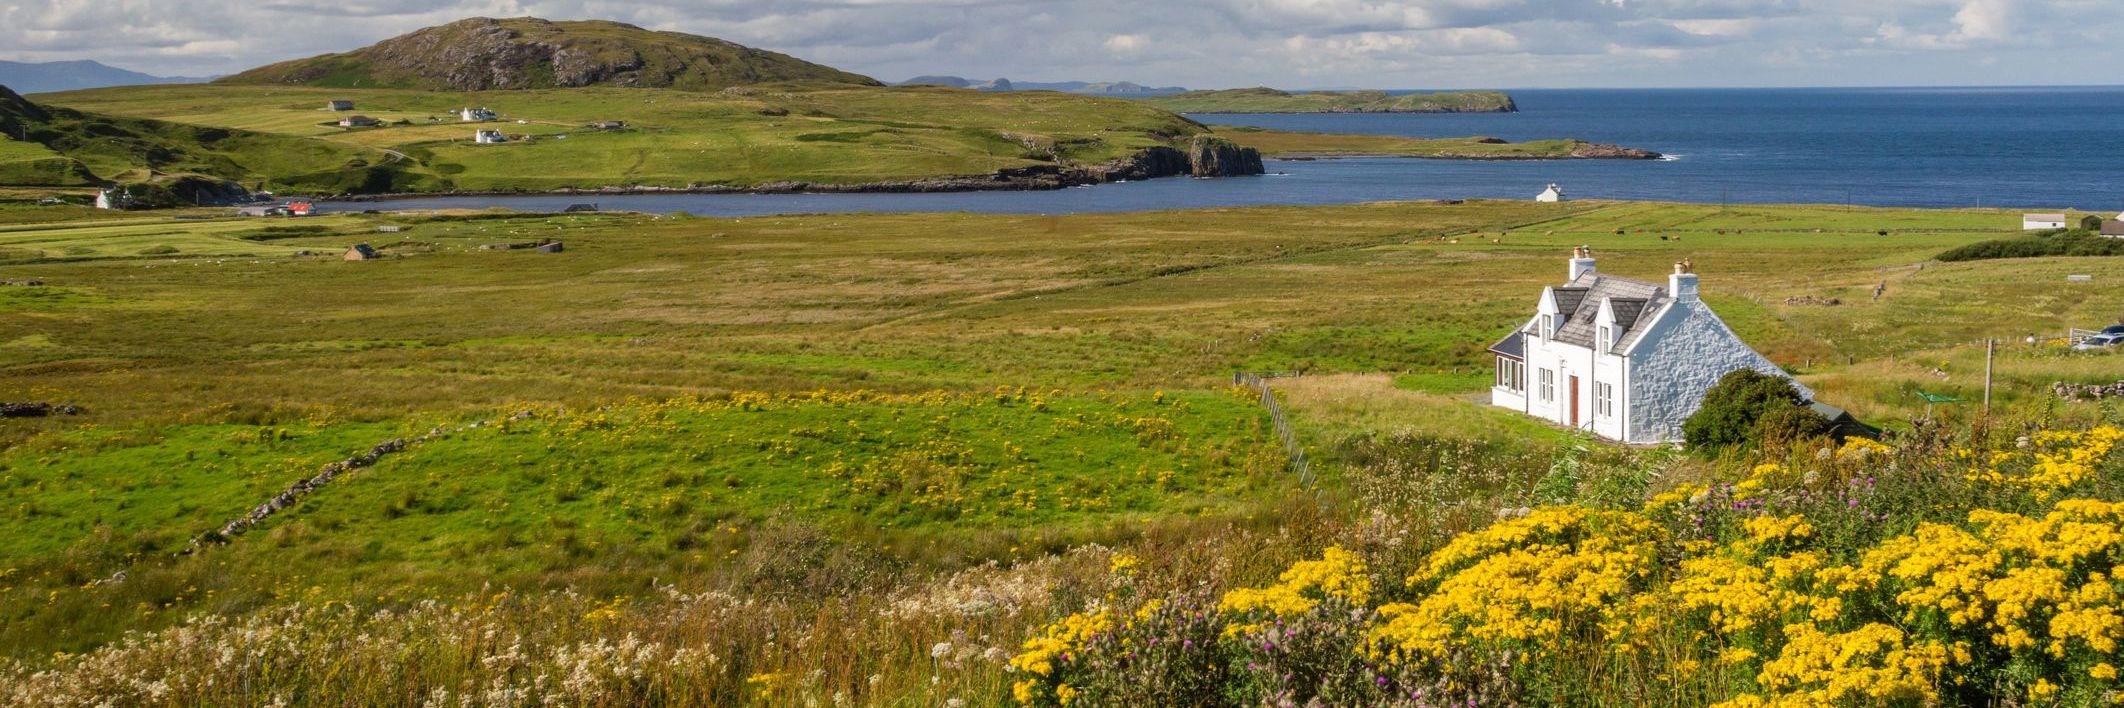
<point x="1574" y="401"/>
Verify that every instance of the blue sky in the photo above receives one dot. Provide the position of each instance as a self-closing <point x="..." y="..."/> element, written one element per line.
<point x="1197" y="43"/>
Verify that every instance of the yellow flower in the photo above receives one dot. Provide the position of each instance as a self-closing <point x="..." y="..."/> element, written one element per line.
<point x="1338" y="574"/>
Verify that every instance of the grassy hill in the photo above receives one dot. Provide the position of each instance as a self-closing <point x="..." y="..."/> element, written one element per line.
<point x="721" y="436"/>
<point x="1268" y="100"/>
<point x="738" y="137"/>
<point x="53" y="145"/>
<point x="530" y="53"/>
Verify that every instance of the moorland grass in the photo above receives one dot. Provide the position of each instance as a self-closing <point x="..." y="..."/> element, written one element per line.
<point x="211" y="380"/>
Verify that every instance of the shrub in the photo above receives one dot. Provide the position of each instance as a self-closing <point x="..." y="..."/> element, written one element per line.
<point x="2077" y="242"/>
<point x="1746" y="404"/>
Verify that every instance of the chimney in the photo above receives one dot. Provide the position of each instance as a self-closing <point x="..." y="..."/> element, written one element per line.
<point x="1682" y="284"/>
<point x="1581" y="262"/>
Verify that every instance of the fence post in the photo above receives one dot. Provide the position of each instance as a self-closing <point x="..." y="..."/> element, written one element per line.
<point x="1298" y="462"/>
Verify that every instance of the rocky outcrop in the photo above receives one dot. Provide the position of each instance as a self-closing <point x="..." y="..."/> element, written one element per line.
<point x="36" y="410"/>
<point x="1604" y="151"/>
<point x="1212" y="156"/>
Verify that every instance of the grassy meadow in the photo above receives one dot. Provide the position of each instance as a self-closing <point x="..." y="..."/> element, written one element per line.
<point x="674" y="460"/>
<point x="741" y="136"/>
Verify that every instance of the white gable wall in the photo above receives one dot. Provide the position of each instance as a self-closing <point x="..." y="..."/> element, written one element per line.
<point x="1683" y="353"/>
<point x="1567" y="364"/>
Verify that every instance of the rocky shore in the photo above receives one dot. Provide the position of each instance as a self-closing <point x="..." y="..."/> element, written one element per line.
<point x="1205" y="156"/>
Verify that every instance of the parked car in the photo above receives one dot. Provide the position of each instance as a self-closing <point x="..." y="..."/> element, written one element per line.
<point x="2113" y="329"/>
<point x="2100" y="341"/>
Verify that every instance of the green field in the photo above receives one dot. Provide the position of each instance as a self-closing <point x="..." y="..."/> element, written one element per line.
<point x="821" y="133"/>
<point x="1268" y="100"/>
<point x="842" y="419"/>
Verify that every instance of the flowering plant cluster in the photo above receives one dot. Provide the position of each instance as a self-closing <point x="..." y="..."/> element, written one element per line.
<point x="1786" y="586"/>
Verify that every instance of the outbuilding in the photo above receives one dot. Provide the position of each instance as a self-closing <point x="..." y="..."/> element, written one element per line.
<point x="2042" y="222"/>
<point x="1624" y="359"/>
<point x="1552" y="194"/>
<point x="358" y="122"/>
<point x="488" y="137"/>
<point x="474" y="115"/>
<point x="339" y="105"/>
<point x="362" y="252"/>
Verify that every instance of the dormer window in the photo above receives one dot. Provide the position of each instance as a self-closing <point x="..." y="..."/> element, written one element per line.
<point x="1548" y="325"/>
<point x="1600" y="344"/>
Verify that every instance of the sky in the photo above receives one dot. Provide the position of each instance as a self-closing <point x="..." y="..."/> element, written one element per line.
<point x="1298" y="44"/>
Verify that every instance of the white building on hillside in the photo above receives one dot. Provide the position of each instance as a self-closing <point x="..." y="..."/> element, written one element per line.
<point x="1552" y="194"/>
<point x="474" y="115"/>
<point x="2042" y="222"/>
<point x="1624" y="359"/>
<point x="486" y="137"/>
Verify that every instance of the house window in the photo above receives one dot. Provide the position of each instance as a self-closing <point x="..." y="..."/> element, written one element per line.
<point x="1548" y="324"/>
<point x="1548" y="386"/>
<point x="1601" y="345"/>
<point x="1511" y="375"/>
<point x="1604" y="400"/>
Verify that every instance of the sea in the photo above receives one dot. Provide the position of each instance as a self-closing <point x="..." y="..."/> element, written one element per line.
<point x="2023" y="148"/>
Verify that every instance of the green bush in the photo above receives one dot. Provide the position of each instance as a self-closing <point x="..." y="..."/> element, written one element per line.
<point x="1747" y="408"/>
<point x="2076" y="242"/>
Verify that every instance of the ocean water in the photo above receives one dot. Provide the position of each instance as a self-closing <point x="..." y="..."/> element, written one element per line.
<point x="2034" y="148"/>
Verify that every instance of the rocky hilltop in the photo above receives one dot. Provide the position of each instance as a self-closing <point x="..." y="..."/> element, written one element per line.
<point x="482" y="54"/>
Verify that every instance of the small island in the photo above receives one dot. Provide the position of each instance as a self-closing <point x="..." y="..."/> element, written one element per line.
<point x="1268" y="100"/>
<point x="1287" y="145"/>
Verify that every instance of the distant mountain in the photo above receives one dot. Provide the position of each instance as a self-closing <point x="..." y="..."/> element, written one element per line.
<point x="1123" y="89"/>
<point x="1268" y="100"/>
<point x="42" y="77"/>
<point x="958" y="82"/>
<point x="1103" y="88"/>
<point x="523" y="53"/>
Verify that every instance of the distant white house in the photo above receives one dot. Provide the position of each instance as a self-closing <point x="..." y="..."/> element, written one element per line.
<point x="1624" y="359"/>
<point x="489" y="136"/>
<point x="473" y="115"/>
<point x="105" y="200"/>
<point x="2042" y="222"/>
<point x="1552" y="194"/>
<point x="358" y="122"/>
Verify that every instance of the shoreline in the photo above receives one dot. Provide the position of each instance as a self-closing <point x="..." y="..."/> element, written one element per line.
<point x="1038" y="178"/>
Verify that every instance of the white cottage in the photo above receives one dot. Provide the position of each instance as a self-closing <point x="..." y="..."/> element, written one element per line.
<point x="2042" y="222"/>
<point x="486" y="137"/>
<point x="473" y="115"/>
<point x="1552" y="194"/>
<point x="1624" y="359"/>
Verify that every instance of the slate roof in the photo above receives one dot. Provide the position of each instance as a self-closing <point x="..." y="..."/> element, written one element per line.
<point x="1514" y="345"/>
<point x="1635" y="301"/>
<point x="2113" y="227"/>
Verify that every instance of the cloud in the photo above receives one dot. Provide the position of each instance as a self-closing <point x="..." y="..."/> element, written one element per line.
<point x="1205" y="43"/>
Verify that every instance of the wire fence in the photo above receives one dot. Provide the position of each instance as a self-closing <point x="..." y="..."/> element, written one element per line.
<point x="1300" y="464"/>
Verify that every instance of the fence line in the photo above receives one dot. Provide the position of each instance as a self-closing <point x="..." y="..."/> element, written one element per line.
<point x="1260" y="382"/>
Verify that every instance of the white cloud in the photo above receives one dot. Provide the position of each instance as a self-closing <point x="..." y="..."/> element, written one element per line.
<point x="1208" y="43"/>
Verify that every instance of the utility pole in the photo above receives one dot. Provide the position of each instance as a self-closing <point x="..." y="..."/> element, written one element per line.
<point x="1991" y="350"/>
